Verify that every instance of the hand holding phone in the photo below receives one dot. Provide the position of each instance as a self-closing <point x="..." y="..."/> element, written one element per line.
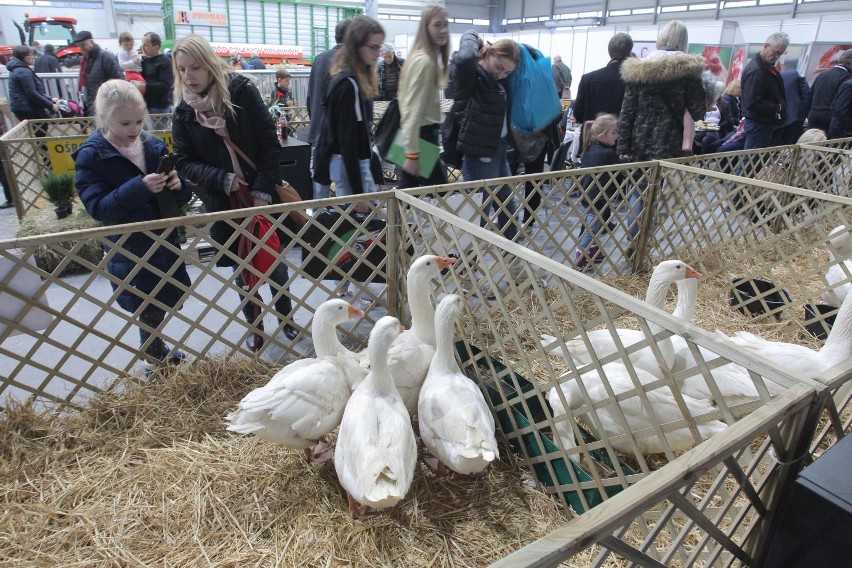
<point x="167" y="163"/>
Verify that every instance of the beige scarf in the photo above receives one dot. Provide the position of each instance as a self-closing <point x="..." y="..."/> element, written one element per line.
<point x="205" y="114"/>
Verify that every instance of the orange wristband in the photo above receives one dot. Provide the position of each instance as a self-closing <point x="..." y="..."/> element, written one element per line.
<point x="412" y="156"/>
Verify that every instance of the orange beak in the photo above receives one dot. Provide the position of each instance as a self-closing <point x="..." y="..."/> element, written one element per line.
<point x="445" y="262"/>
<point x="355" y="312"/>
<point x="692" y="273"/>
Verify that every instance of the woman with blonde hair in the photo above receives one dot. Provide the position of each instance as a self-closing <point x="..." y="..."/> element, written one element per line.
<point x="226" y="142"/>
<point x="480" y="114"/>
<point x="344" y="150"/>
<point x="423" y="76"/>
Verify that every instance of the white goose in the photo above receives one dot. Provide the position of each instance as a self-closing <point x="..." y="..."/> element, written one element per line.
<point x="602" y="342"/>
<point x="411" y="353"/>
<point x="376" y="449"/>
<point x="798" y="360"/>
<point x="456" y="425"/>
<point x="304" y="401"/>
<point x="661" y="400"/>
<point x="838" y="275"/>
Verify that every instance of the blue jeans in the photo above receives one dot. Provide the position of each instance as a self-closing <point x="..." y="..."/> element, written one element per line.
<point x="475" y="168"/>
<point x="758" y="134"/>
<point x="337" y="172"/>
<point x="593" y="225"/>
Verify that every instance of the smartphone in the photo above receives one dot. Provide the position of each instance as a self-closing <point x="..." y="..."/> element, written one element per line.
<point x="167" y="163"/>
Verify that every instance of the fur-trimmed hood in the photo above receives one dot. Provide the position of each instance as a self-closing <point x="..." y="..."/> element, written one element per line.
<point x="662" y="67"/>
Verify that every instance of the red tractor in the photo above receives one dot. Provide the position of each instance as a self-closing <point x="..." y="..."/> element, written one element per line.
<point x="57" y="31"/>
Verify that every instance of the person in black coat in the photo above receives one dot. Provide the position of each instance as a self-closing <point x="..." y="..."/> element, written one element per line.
<point x="344" y="148"/>
<point x="317" y="84"/>
<point x="764" y="102"/>
<point x="158" y="74"/>
<point x="97" y="67"/>
<point x="117" y="180"/>
<point x="48" y="62"/>
<point x="840" y="125"/>
<point x="214" y="102"/>
<point x="27" y="99"/>
<point x="480" y="112"/>
<point x="603" y="90"/>
<point x="825" y="88"/>
<point x="798" y="96"/>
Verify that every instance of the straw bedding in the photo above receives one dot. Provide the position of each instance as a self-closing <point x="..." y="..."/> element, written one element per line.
<point x="149" y="476"/>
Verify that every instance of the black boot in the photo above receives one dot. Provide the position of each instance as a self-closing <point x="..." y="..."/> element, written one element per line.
<point x="157" y="351"/>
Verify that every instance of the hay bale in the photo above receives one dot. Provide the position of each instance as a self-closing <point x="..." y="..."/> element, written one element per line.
<point x="148" y="475"/>
<point x="43" y="221"/>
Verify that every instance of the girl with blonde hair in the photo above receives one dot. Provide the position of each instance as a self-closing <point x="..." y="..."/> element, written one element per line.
<point x="423" y="76"/>
<point x="599" y="140"/>
<point x="118" y="182"/>
<point x="219" y="111"/>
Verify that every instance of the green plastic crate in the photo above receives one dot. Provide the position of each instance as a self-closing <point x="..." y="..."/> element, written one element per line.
<point x="527" y="444"/>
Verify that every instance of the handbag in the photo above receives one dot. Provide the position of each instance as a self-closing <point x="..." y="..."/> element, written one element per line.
<point x="286" y="193"/>
<point x="450" y="141"/>
<point x="387" y="128"/>
<point x="566" y="93"/>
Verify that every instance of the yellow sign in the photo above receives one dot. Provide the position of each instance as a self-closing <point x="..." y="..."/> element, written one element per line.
<point x="60" y="149"/>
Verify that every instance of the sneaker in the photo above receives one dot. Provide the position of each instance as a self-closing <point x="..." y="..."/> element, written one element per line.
<point x="158" y="352"/>
<point x="581" y="261"/>
<point x="7" y="205"/>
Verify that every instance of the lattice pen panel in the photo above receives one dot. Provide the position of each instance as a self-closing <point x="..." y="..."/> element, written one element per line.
<point x="556" y="226"/>
<point x="87" y="339"/>
<point x="712" y="506"/>
<point x="823" y="168"/>
<point x="515" y="297"/>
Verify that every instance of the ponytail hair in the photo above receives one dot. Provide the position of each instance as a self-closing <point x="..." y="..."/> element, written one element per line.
<point x="594" y="128"/>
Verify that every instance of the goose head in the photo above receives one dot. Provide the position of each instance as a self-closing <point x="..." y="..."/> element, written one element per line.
<point x="666" y="273"/>
<point x="840" y="243"/>
<point x="382" y="336"/>
<point x="328" y="316"/>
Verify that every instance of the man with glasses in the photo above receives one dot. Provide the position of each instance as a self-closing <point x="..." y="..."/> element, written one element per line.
<point x="764" y="102"/>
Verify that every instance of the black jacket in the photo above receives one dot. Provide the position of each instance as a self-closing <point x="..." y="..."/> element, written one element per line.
<point x="345" y="131"/>
<point x="824" y="89"/>
<point x="840" y="124"/>
<point x="600" y="91"/>
<point x="797" y="96"/>
<point x="481" y="103"/>
<point x="317" y="83"/>
<point x="103" y="66"/>
<point x="736" y="111"/>
<point x="727" y="124"/>
<point x="47" y="63"/>
<point x="763" y="93"/>
<point x="598" y="154"/>
<point x="159" y="81"/>
<point x="27" y="99"/>
<point x="202" y="156"/>
<point x="111" y="188"/>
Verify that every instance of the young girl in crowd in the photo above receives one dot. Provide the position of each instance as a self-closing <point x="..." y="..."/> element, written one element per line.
<point x="481" y="111"/>
<point x="424" y="74"/>
<point x="219" y="112"/>
<point x="117" y="182"/>
<point x="344" y="150"/>
<point x="129" y="60"/>
<point x="600" y="150"/>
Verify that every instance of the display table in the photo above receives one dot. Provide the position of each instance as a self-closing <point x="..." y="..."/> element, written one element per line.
<point x="815" y="526"/>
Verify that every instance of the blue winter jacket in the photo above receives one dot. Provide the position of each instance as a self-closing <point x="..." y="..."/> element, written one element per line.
<point x="27" y="99"/>
<point x="111" y="188"/>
